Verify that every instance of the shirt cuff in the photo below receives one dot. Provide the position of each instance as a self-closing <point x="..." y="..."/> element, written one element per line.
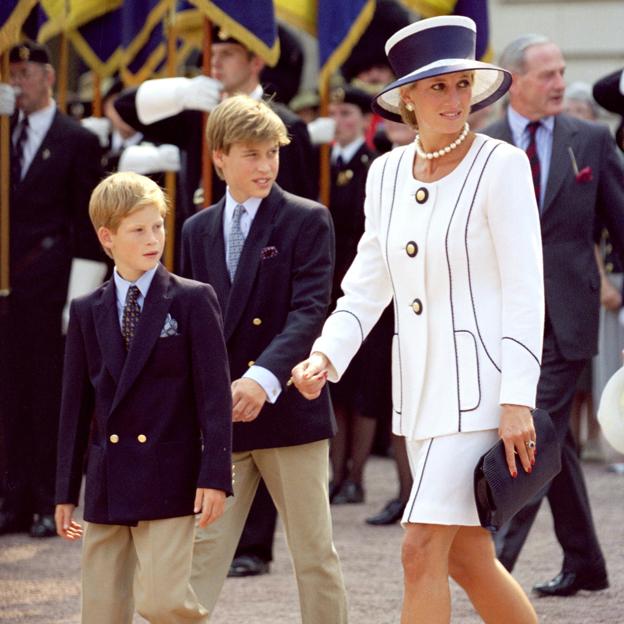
<point x="267" y="380"/>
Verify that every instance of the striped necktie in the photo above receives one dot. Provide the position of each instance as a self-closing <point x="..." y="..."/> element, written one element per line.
<point x="235" y="242"/>
<point x="17" y="160"/>
<point x="531" y="152"/>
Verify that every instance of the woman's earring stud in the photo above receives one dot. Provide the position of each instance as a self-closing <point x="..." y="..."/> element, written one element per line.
<point x="409" y="106"/>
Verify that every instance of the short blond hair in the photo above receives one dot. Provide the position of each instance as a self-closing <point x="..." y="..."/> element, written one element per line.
<point x="121" y="194"/>
<point x="241" y="119"/>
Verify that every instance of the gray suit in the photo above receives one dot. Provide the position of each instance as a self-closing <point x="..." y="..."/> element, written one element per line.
<point x="572" y="287"/>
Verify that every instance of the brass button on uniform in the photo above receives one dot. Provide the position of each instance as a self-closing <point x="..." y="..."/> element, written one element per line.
<point x="257" y="321"/>
<point x="114" y="438"/>
<point x="422" y="195"/>
<point x="250" y="363"/>
<point x="411" y="248"/>
<point x="142" y="438"/>
<point x="417" y="306"/>
<point x="609" y="267"/>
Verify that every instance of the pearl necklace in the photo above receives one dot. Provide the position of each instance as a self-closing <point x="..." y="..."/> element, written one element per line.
<point x="445" y="150"/>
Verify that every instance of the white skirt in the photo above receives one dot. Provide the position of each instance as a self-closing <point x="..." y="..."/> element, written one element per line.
<point x="443" y="471"/>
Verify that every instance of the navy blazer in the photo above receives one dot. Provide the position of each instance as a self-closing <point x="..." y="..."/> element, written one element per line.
<point x="275" y="308"/>
<point x="571" y="205"/>
<point x="157" y="420"/>
<point x="50" y="212"/>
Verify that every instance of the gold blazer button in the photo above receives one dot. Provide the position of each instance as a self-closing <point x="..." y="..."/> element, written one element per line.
<point x="411" y="249"/>
<point x="114" y="438"/>
<point x="417" y="306"/>
<point x="422" y="195"/>
<point x="257" y="322"/>
<point x="142" y="438"/>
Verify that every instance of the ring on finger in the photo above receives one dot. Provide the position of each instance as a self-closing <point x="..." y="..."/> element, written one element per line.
<point x="530" y="444"/>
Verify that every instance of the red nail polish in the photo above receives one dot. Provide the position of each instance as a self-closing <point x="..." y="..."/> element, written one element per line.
<point x="514" y="474"/>
<point x="529" y="470"/>
<point x="533" y="462"/>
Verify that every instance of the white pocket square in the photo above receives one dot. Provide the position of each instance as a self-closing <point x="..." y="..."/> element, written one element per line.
<point x="170" y="328"/>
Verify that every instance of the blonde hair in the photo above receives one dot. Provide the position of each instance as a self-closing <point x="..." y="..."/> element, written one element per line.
<point x="121" y="194"/>
<point x="241" y="119"/>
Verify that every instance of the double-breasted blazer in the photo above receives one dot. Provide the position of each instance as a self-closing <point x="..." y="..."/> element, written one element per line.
<point x="157" y="420"/>
<point x="275" y="307"/>
<point x="49" y="210"/>
<point x="461" y="258"/>
<point x="571" y="205"/>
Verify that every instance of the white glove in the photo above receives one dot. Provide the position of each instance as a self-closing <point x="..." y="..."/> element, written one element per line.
<point x="147" y="158"/>
<point x="7" y="99"/>
<point x="100" y="126"/>
<point x="322" y="130"/>
<point x="159" y="99"/>
<point x="86" y="276"/>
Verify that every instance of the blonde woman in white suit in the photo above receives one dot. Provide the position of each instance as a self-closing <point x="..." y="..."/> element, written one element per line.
<point x="453" y="237"/>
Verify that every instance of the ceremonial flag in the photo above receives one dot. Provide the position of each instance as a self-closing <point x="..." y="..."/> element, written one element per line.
<point x="13" y="14"/>
<point x="252" y="22"/>
<point x="339" y="27"/>
<point x="475" y="9"/>
<point x="298" y="13"/>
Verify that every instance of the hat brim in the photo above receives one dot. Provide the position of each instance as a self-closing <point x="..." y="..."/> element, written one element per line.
<point x="490" y="84"/>
<point x="611" y="411"/>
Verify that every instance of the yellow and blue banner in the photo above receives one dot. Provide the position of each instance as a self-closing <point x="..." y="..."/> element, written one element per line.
<point x="252" y="22"/>
<point x="13" y="14"/>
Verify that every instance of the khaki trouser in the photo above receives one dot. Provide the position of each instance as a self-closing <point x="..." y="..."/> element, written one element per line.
<point x="297" y="478"/>
<point x="154" y="558"/>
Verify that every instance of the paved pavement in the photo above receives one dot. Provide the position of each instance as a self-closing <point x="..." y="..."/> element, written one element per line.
<point x="39" y="579"/>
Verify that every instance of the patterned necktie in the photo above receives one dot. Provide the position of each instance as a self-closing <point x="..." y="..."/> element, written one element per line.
<point x="130" y="317"/>
<point x="17" y="161"/>
<point x="236" y="241"/>
<point x="534" y="161"/>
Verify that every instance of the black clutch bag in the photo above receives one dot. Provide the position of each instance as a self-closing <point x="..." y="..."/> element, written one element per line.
<point x="497" y="494"/>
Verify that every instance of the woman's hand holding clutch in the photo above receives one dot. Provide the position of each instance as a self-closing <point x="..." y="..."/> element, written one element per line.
<point x="310" y="375"/>
<point x="518" y="434"/>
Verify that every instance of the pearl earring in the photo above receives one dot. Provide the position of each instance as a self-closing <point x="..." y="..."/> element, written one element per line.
<point x="410" y="107"/>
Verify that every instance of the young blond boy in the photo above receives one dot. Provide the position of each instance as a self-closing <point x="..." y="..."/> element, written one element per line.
<point x="146" y="398"/>
<point x="269" y="256"/>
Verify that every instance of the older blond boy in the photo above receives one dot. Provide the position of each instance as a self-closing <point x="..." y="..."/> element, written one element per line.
<point x="269" y="256"/>
<point x="146" y="397"/>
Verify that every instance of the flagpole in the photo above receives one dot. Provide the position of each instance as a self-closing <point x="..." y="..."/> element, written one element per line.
<point x="170" y="176"/>
<point x="97" y="95"/>
<point x="324" y="165"/>
<point x="4" y="187"/>
<point x="206" y="157"/>
<point x="63" y="71"/>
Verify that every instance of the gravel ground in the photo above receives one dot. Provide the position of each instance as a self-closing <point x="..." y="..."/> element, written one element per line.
<point x="39" y="579"/>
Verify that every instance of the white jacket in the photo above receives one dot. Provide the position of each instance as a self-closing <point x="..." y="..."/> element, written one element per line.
<point x="464" y="265"/>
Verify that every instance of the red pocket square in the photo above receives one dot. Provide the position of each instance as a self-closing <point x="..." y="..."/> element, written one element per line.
<point x="584" y="175"/>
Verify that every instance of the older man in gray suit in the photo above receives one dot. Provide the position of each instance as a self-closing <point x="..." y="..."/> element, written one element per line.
<point x="577" y="176"/>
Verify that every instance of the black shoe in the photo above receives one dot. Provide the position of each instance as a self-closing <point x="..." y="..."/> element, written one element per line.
<point x="13" y="523"/>
<point x="43" y="526"/>
<point x="390" y="514"/>
<point x="248" y="565"/>
<point x="350" y="492"/>
<point x="568" y="583"/>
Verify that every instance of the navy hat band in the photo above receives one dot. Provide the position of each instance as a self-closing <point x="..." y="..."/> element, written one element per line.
<point x="450" y="42"/>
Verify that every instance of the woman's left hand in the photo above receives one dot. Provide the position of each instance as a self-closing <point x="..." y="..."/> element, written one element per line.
<point x="518" y="435"/>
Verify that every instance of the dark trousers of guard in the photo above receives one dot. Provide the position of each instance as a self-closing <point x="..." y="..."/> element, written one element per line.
<point x="567" y="493"/>
<point x="34" y="340"/>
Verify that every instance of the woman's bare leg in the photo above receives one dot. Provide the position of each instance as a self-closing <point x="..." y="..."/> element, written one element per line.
<point x="495" y="594"/>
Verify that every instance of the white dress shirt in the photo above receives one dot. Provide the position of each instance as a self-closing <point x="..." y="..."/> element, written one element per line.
<point x="262" y="376"/>
<point x="347" y="151"/>
<point x="543" y="137"/>
<point x="39" y="123"/>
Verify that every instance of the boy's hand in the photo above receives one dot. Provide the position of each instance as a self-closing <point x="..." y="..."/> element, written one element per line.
<point x="310" y="375"/>
<point x="248" y="397"/>
<point x="209" y="504"/>
<point x="66" y="526"/>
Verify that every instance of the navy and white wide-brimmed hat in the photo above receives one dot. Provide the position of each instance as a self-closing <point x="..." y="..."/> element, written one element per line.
<point x="436" y="46"/>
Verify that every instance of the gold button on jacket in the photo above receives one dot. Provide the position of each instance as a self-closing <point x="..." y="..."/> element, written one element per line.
<point x="257" y="321"/>
<point x="114" y="438"/>
<point x="142" y="438"/>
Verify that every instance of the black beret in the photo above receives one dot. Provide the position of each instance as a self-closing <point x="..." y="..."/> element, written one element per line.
<point x="348" y="94"/>
<point x="369" y="51"/>
<point x="29" y="51"/>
